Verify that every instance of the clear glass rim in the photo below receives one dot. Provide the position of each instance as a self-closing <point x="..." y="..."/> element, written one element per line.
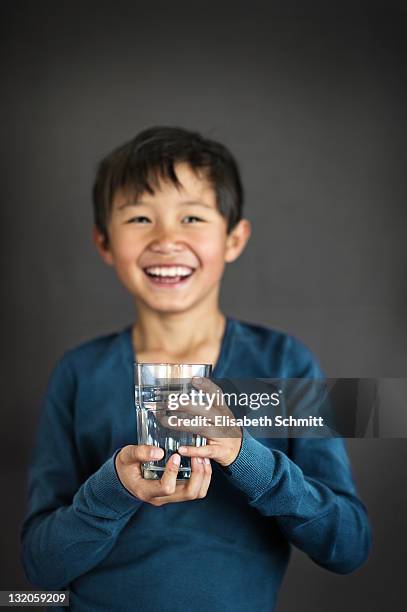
<point x="167" y="363"/>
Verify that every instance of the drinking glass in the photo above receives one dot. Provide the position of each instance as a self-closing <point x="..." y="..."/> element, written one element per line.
<point x="154" y="382"/>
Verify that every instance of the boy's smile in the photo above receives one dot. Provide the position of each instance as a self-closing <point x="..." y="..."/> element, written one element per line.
<point x="169" y="248"/>
<point x="169" y="275"/>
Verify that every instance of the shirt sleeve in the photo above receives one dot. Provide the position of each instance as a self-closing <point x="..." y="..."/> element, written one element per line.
<point x="309" y="491"/>
<point x="71" y="523"/>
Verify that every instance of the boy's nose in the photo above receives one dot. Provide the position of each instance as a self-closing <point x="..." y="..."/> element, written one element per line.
<point x="166" y="244"/>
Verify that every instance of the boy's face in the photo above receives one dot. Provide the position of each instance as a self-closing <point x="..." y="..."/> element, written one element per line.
<point x="169" y="249"/>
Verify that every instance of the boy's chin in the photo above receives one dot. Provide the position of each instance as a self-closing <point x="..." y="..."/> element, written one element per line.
<point x="168" y="306"/>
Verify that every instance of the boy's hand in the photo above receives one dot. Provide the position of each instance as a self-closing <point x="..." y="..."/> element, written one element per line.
<point x="166" y="490"/>
<point x="222" y="449"/>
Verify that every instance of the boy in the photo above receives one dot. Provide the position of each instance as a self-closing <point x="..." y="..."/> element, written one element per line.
<point x="168" y="217"/>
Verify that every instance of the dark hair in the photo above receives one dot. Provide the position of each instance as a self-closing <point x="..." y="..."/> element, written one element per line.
<point x="140" y="164"/>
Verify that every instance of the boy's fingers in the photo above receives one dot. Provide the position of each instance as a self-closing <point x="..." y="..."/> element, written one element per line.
<point x="206" y="385"/>
<point x="206" y="479"/>
<point x="198" y="451"/>
<point x="140" y="453"/>
<point x="169" y="478"/>
<point x="195" y="482"/>
<point x="187" y="490"/>
<point x="195" y="488"/>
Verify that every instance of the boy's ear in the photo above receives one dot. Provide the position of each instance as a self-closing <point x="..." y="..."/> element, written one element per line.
<point x="102" y="246"/>
<point x="237" y="240"/>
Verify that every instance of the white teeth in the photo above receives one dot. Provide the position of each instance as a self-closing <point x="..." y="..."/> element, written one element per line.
<point x="169" y="271"/>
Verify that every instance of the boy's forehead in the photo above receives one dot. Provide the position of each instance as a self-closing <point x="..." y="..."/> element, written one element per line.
<point x="193" y="187"/>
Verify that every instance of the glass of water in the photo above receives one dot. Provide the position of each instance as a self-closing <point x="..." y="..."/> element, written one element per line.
<point x="154" y="384"/>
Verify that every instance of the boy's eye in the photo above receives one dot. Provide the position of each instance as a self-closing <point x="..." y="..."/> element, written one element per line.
<point x="139" y="219"/>
<point x="191" y="219"/>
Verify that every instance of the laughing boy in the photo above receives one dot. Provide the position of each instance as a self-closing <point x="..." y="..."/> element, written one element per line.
<point x="168" y="218"/>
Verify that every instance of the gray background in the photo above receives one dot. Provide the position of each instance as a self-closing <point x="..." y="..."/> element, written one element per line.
<point x="313" y="104"/>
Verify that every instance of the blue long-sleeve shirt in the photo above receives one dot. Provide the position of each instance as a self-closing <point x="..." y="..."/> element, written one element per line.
<point x="229" y="551"/>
